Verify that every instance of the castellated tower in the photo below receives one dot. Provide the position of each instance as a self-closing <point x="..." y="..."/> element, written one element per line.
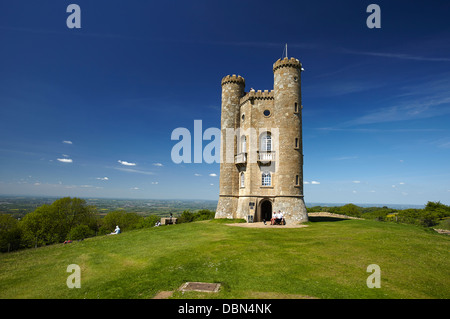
<point x="261" y="168"/>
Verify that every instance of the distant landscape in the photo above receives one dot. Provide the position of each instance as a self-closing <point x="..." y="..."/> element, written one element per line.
<point x="19" y="206"/>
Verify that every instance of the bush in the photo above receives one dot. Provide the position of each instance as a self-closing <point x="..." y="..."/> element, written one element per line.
<point x="125" y="221"/>
<point x="186" y="217"/>
<point x="204" y="214"/>
<point x="80" y="232"/>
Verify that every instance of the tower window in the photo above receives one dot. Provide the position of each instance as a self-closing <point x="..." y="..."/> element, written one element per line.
<point x="296" y="107"/>
<point x="266" y="179"/>
<point x="266" y="142"/>
<point x="297" y="180"/>
<point x="266" y="112"/>
<point x="242" y="179"/>
<point x="243" y="117"/>
<point x="296" y="142"/>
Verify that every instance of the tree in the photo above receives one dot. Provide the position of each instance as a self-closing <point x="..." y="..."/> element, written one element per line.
<point x="186" y="217"/>
<point x="50" y="224"/>
<point x="350" y="210"/>
<point x="126" y="221"/>
<point x="10" y="234"/>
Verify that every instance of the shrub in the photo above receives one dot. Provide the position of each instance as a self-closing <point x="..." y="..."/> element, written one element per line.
<point x="80" y="232"/>
<point x="126" y="221"/>
<point x="186" y="217"/>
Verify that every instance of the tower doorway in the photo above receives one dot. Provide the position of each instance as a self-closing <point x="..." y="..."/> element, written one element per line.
<point x="266" y="211"/>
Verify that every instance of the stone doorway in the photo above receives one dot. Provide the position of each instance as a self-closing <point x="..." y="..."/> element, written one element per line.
<point x="266" y="211"/>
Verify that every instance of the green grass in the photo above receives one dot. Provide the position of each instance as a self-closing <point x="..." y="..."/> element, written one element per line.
<point x="327" y="259"/>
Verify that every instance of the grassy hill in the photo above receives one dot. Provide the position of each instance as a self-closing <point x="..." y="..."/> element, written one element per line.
<point x="327" y="259"/>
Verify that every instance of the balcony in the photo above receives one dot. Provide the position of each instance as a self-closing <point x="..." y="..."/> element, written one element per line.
<point x="240" y="159"/>
<point x="266" y="157"/>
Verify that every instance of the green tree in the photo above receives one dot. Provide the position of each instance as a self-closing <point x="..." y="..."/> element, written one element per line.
<point x="204" y="214"/>
<point x="186" y="217"/>
<point x="125" y="221"/>
<point x="350" y="210"/>
<point x="80" y="232"/>
<point x="10" y="233"/>
<point x="50" y="224"/>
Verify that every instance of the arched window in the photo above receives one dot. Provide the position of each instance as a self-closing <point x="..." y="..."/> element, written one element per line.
<point x="266" y="179"/>
<point x="266" y="142"/>
<point x="243" y="144"/>
<point x="242" y="179"/>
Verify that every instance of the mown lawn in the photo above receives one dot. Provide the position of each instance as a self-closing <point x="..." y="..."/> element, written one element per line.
<point x="327" y="259"/>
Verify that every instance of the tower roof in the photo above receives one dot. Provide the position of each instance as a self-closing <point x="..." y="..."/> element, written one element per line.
<point x="292" y="62"/>
<point x="233" y="79"/>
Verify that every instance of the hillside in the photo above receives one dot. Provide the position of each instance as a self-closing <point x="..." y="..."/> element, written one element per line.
<point x="327" y="259"/>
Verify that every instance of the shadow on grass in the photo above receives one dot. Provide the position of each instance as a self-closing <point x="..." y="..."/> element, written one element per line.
<point x="317" y="219"/>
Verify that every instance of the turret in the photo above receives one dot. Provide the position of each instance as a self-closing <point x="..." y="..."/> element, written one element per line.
<point x="232" y="90"/>
<point x="287" y="103"/>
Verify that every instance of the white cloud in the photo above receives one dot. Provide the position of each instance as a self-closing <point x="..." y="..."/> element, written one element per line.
<point x="356" y="182"/>
<point x="103" y="178"/>
<point x="211" y="184"/>
<point x="154" y="183"/>
<point x="305" y="182"/>
<point x="196" y="174"/>
<point x="354" y="192"/>
<point x="393" y="186"/>
<point x="402" y="183"/>
<point x="158" y="164"/>
<point x="67" y="142"/>
<point x="65" y="155"/>
<point x="213" y="174"/>
<point x="132" y="170"/>
<point x="315" y="183"/>
<point x="126" y="163"/>
<point x="135" y="188"/>
<point x="37" y="184"/>
<point x="65" y="160"/>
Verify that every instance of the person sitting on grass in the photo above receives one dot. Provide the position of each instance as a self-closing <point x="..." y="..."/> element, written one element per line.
<point x="116" y="231"/>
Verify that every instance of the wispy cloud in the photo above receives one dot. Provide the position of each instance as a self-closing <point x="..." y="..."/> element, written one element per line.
<point x="213" y="174"/>
<point x="132" y="170"/>
<point x="126" y="163"/>
<point x="196" y="174"/>
<point x="401" y="56"/>
<point x="65" y="160"/>
<point x="158" y="164"/>
<point x="425" y="100"/>
<point x="103" y="178"/>
<point x="315" y="183"/>
<point x="343" y="158"/>
<point x="406" y="111"/>
<point x="67" y="142"/>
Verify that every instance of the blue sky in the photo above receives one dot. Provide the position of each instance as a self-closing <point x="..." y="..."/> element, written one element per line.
<point x="75" y="102"/>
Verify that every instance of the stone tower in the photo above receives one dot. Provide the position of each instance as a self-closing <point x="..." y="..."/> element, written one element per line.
<point x="261" y="168"/>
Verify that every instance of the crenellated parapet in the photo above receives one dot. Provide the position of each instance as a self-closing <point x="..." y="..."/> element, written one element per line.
<point x="233" y="79"/>
<point x="257" y="95"/>
<point x="292" y="62"/>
